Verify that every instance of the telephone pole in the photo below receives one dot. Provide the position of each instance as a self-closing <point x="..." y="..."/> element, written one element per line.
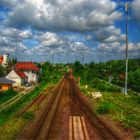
<point x="126" y="50"/>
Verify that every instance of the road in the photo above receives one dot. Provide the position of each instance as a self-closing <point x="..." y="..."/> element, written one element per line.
<point x="66" y="115"/>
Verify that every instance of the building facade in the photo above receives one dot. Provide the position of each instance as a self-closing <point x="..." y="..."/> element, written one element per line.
<point x="19" y="78"/>
<point x="24" y="72"/>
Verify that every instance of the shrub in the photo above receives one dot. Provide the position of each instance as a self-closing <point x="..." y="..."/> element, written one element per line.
<point x="137" y="134"/>
<point x="104" y="108"/>
<point x="104" y="86"/>
<point x="10" y="91"/>
<point x="6" y="95"/>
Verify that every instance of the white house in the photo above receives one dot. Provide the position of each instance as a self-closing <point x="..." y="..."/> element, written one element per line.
<point x="24" y="72"/>
<point x="19" y="77"/>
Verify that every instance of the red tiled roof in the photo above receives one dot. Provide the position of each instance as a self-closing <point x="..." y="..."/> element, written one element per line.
<point x="21" y="74"/>
<point x="1" y="59"/>
<point x="26" y="66"/>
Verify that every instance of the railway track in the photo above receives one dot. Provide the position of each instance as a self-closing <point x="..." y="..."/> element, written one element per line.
<point x="80" y="117"/>
<point x="78" y="128"/>
<point x="36" y="101"/>
<point x="103" y="131"/>
<point x="42" y="127"/>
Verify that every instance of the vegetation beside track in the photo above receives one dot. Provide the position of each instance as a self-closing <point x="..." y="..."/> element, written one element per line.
<point x="114" y="69"/>
<point x="13" y="109"/>
<point x="10" y="123"/>
<point x="125" y="109"/>
<point x="115" y="105"/>
<point x="5" y="96"/>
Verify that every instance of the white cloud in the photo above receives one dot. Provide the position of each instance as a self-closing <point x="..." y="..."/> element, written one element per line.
<point x="8" y="3"/>
<point x="11" y="40"/>
<point x="50" y="39"/>
<point x="79" y="15"/>
<point x="118" y="49"/>
<point x="95" y="17"/>
<point x="136" y="8"/>
<point x="15" y="34"/>
<point x="133" y="47"/>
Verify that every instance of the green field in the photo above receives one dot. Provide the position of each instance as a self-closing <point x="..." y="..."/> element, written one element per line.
<point x="125" y="109"/>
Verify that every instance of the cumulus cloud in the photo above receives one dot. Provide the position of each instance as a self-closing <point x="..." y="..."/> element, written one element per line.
<point x="15" y="34"/>
<point x="83" y="20"/>
<point x="116" y="49"/>
<point x="51" y="42"/>
<point x="135" y="8"/>
<point x="8" y="3"/>
<point x="11" y="40"/>
<point x="109" y="34"/>
<point x="50" y="39"/>
<point x="79" y="15"/>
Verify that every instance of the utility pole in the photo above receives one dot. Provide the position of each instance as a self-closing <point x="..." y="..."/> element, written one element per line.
<point x="126" y="50"/>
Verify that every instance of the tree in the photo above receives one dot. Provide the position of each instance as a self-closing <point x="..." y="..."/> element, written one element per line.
<point x="2" y="71"/>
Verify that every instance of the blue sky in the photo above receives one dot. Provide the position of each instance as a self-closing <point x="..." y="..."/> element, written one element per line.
<point x="65" y="31"/>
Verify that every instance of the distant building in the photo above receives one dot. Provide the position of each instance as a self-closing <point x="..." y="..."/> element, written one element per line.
<point x="4" y="59"/>
<point x="5" y="84"/>
<point x="24" y="72"/>
<point x="19" y="77"/>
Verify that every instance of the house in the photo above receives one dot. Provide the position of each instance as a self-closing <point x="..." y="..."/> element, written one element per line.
<point x="29" y="69"/>
<point x="19" y="77"/>
<point x="5" y="84"/>
<point x="24" y="72"/>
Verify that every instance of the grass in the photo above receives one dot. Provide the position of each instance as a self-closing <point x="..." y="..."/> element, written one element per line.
<point x="10" y="129"/>
<point x="105" y="107"/>
<point x="10" y="123"/>
<point x="125" y="109"/>
<point x="5" y="96"/>
<point x="28" y="115"/>
<point x="10" y="112"/>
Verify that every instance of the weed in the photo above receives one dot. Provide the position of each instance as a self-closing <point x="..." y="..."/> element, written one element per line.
<point x="28" y="115"/>
<point x="137" y="134"/>
<point x="104" y="108"/>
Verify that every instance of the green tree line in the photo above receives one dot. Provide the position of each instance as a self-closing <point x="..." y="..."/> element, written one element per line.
<point x="114" y="69"/>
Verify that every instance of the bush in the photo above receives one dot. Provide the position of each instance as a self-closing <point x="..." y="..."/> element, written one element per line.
<point x="137" y="134"/>
<point x="104" y="86"/>
<point x="10" y="91"/>
<point x="104" y="108"/>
